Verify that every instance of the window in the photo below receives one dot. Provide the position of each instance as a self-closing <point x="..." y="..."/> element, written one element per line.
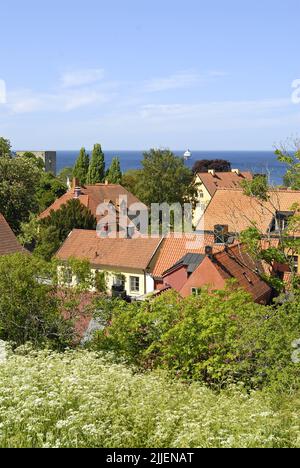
<point x="201" y="194"/>
<point x="221" y="234"/>
<point x="119" y="281"/>
<point x="68" y="276"/>
<point x="134" y="283"/>
<point x="281" y="220"/>
<point x="195" y="291"/>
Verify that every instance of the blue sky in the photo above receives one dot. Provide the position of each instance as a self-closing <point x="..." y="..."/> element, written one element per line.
<point x="209" y="75"/>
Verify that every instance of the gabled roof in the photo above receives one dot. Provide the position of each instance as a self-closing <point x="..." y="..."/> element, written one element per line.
<point x="234" y="263"/>
<point x="176" y="246"/>
<point x="109" y="252"/>
<point x="8" y="242"/>
<point x="238" y="211"/>
<point x="221" y="180"/>
<point x="92" y="196"/>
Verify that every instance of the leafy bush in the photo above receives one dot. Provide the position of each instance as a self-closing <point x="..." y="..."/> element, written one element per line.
<point x="80" y="399"/>
<point x="217" y="338"/>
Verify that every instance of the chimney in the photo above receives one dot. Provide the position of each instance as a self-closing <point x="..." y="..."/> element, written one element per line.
<point x="75" y="183"/>
<point x="208" y="251"/>
<point x="77" y="192"/>
<point x="106" y="182"/>
<point x="212" y="172"/>
<point x="236" y="171"/>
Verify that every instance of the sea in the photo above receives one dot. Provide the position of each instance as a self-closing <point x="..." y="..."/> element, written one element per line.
<point x="258" y="162"/>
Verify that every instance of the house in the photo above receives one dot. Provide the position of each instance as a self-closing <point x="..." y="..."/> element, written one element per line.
<point x="126" y="263"/>
<point x="105" y="195"/>
<point x="48" y="158"/>
<point x="231" y="212"/>
<point x="9" y="244"/>
<point x="175" y="247"/>
<point x="209" y="182"/>
<point x="216" y="269"/>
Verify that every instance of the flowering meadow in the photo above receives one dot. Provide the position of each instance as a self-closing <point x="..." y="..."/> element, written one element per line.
<point x="83" y="399"/>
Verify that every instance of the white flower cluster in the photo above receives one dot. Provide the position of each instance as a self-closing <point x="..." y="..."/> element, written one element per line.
<point x="80" y="399"/>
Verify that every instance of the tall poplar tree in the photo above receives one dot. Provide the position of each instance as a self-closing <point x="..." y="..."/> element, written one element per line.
<point x="96" y="172"/>
<point x="114" y="174"/>
<point x="81" y="167"/>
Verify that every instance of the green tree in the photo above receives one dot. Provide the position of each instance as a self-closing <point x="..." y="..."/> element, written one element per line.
<point x="131" y="180"/>
<point x="38" y="161"/>
<point x="114" y="174"/>
<point x="5" y="147"/>
<point x="29" y="307"/>
<point x="65" y="174"/>
<point x="19" y="179"/>
<point x="289" y="155"/>
<point x="96" y="172"/>
<point x="81" y="167"/>
<point x="58" y="225"/>
<point x="165" y="178"/>
<point x="48" y="190"/>
<point x="220" y="338"/>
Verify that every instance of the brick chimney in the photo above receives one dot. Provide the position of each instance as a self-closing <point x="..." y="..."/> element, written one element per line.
<point x="75" y="183"/>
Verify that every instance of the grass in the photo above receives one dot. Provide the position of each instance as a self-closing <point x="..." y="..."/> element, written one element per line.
<point x="81" y="399"/>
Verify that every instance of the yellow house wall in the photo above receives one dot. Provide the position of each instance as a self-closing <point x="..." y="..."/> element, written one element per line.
<point x="111" y="274"/>
<point x="203" y="201"/>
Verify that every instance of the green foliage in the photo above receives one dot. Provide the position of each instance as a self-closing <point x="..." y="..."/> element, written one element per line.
<point x="37" y="161"/>
<point x="114" y="174"/>
<point x="291" y="159"/>
<point x="96" y="172"/>
<point x="65" y="174"/>
<point x="165" y="178"/>
<point x="5" y="148"/>
<point x="19" y="178"/>
<point x="58" y="225"/>
<point x="48" y="190"/>
<point x="131" y="180"/>
<point x="81" y="167"/>
<point x="216" y="338"/>
<point x="29" y="308"/>
<point x="258" y="188"/>
<point x="81" y="399"/>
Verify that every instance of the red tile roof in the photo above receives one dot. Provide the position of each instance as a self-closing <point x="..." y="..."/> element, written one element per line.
<point x="174" y="248"/>
<point x="238" y="211"/>
<point x="223" y="180"/>
<point x="92" y="196"/>
<point x="8" y="242"/>
<point x="108" y="252"/>
<point x="236" y="263"/>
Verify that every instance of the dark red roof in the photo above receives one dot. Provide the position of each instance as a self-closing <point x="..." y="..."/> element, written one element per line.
<point x="8" y="242"/>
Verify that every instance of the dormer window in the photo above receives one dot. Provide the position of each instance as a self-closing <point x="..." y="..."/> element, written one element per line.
<point x="221" y="234"/>
<point x="281" y="220"/>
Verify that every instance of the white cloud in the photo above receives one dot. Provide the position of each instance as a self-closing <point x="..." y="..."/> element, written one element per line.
<point x="180" y="80"/>
<point x="176" y="81"/>
<point x="82" y="77"/>
<point x="27" y="101"/>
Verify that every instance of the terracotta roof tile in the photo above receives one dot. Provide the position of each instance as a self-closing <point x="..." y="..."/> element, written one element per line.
<point x="8" y="242"/>
<point x="221" y="180"/>
<point x="174" y="248"/>
<point x="238" y="211"/>
<point x="107" y="252"/>
<point x="92" y="196"/>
